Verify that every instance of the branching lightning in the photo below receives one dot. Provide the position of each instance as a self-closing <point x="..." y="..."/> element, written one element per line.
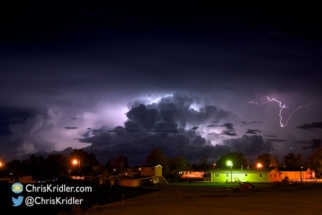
<point x="282" y="106"/>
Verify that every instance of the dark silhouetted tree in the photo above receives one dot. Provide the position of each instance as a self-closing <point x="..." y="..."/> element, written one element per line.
<point x="203" y="163"/>
<point x="291" y="160"/>
<point x="315" y="162"/>
<point x="117" y="165"/>
<point x="264" y="159"/>
<point x="274" y="161"/>
<point x="87" y="161"/>
<point x="156" y="157"/>
<point x="35" y="166"/>
<point x="109" y="167"/>
<point x="56" y="165"/>
<point x="16" y="167"/>
<point x="177" y="164"/>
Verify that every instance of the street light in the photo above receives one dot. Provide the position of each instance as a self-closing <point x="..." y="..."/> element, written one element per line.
<point x="75" y="162"/>
<point x="229" y="163"/>
<point x="1" y="164"/>
<point x="259" y="165"/>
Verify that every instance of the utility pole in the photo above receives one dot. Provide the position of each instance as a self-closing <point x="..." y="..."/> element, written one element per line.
<point x="300" y="167"/>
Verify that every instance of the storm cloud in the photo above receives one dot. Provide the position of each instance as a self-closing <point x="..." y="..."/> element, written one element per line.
<point x="314" y="125"/>
<point x="249" y="145"/>
<point x="162" y="76"/>
<point x="164" y="125"/>
<point x="252" y="131"/>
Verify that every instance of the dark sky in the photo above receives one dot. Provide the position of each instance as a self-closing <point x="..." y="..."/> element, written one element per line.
<point x="125" y="78"/>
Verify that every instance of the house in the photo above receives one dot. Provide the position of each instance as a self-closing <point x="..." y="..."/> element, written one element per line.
<point x="150" y="170"/>
<point x="24" y="179"/>
<point x="297" y="174"/>
<point x="243" y="175"/>
<point x="146" y="175"/>
<point x="192" y="174"/>
<point x="131" y="172"/>
<point x="131" y="182"/>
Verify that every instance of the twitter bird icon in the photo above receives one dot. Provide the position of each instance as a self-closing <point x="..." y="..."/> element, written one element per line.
<point x="17" y="201"/>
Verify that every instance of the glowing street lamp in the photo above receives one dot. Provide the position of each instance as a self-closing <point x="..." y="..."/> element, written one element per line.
<point x="229" y="163"/>
<point x="1" y="164"/>
<point x="259" y="165"/>
<point x="75" y="162"/>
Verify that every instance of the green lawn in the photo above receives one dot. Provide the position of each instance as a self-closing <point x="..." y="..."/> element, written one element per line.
<point x="193" y="199"/>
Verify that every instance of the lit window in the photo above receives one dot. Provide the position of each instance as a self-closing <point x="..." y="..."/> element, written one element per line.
<point x="217" y="175"/>
<point x="260" y="175"/>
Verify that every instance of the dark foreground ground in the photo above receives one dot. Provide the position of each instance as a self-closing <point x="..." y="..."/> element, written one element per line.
<point x="180" y="198"/>
<point x="219" y="199"/>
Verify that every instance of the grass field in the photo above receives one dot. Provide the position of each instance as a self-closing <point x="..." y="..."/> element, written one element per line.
<point x="213" y="199"/>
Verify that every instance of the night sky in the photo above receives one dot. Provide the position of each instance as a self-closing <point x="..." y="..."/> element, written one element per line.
<point x="126" y="78"/>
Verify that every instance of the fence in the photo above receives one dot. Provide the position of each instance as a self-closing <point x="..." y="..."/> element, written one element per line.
<point x="166" y="195"/>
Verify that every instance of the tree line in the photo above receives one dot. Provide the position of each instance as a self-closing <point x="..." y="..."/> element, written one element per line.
<point x="80" y="162"/>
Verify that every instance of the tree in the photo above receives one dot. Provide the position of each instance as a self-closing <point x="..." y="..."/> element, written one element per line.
<point x="203" y="162"/>
<point x="236" y="158"/>
<point x="264" y="159"/>
<point x="177" y="164"/>
<point x="109" y="166"/>
<point x="117" y="165"/>
<point x="291" y="160"/>
<point x="98" y="169"/>
<point x="156" y="157"/>
<point x="85" y="161"/>
<point x="35" y="166"/>
<point x="15" y="167"/>
<point x="56" y="165"/>
<point x="315" y="162"/>
<point x="274" y="161"/>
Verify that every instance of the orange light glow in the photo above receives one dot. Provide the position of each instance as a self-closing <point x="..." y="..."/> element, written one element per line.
<point x="259" y="165"/>
<point x="1" y="164"/>
<point x="75" y="162"/>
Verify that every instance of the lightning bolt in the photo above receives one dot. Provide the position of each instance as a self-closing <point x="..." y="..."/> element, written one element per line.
<point x="282" y="106"/>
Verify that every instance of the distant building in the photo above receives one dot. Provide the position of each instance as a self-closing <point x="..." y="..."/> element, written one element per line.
<point x="244" y="175"/>
<point x="297" y="174"/>
<point x="150" y="170"/>
<point x="131" y="172"/>
<point x="24" y="179"/>
<point x="130" y="182"/>
<point x="192" y="174"/>
<point x="146" y="174"/>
